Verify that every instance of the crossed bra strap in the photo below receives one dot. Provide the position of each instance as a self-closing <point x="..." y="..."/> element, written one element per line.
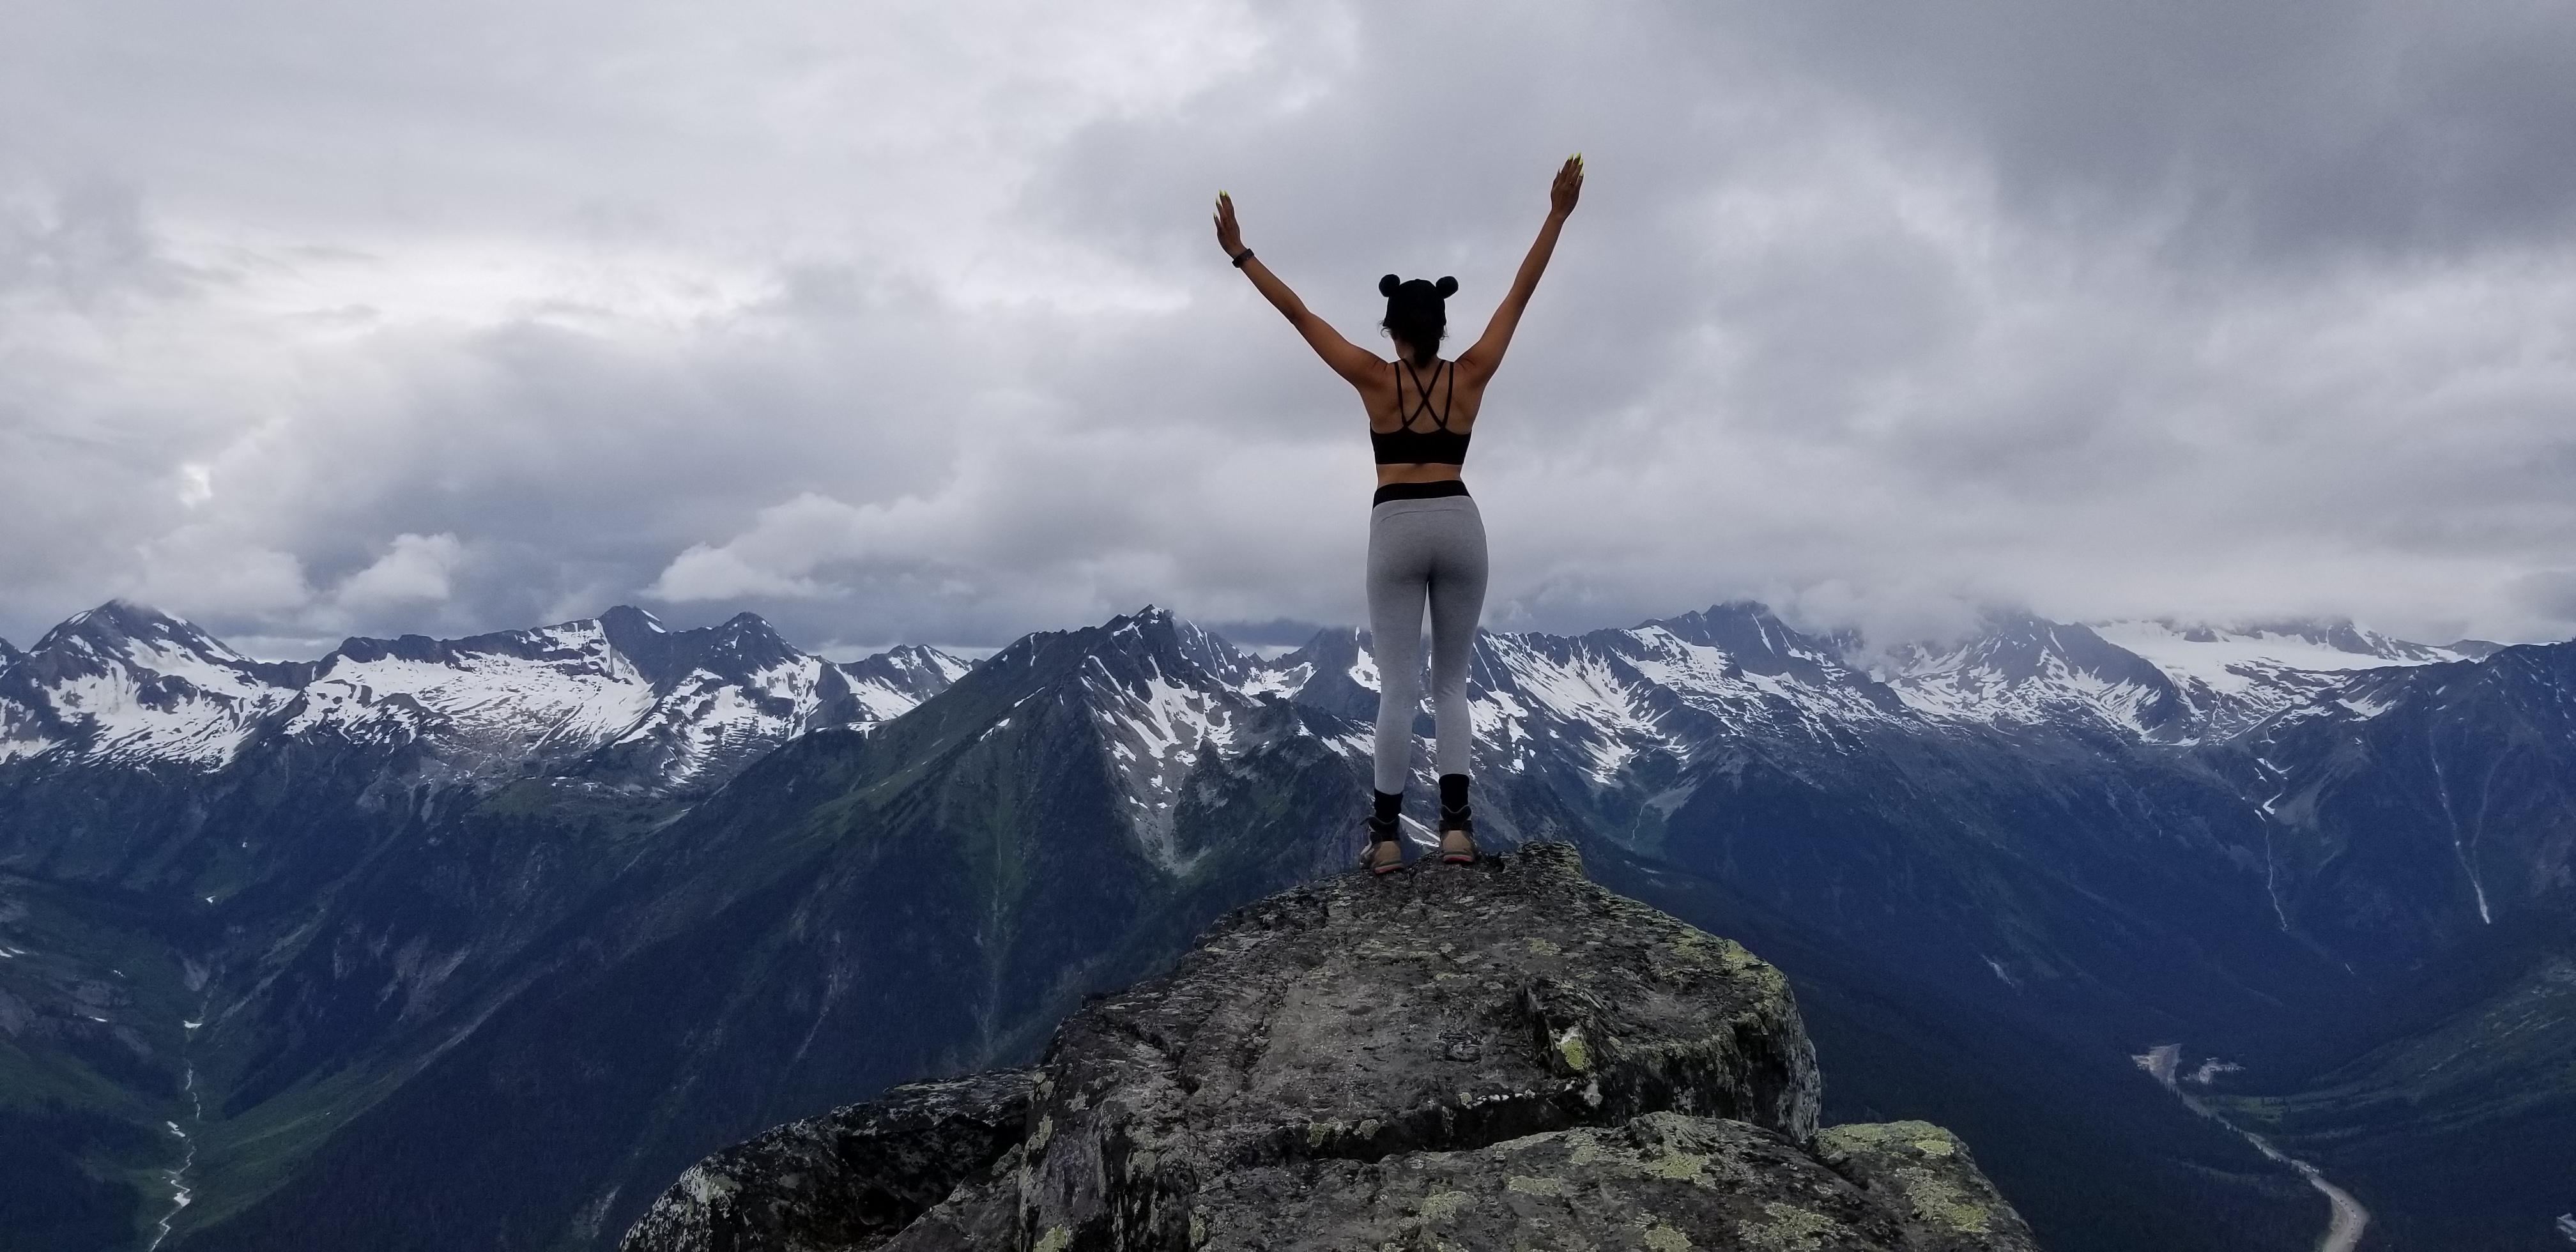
<point x="1438" y="445"/>
<point x="1439" y="420"/>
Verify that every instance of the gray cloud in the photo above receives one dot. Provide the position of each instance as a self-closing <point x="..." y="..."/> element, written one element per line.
<point x="2262" y="132"/>
<point x="905" y="324"/>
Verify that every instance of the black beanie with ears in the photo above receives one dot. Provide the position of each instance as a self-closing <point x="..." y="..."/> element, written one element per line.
<point x="1417" y="314"/>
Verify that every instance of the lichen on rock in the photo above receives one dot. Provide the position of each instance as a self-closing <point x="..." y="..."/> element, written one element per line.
<point x="1925" y="1173"/>
<point x="1480" y="1057"/>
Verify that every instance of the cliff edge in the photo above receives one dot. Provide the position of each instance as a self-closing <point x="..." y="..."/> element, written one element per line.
<point x="1461" y="1058"/>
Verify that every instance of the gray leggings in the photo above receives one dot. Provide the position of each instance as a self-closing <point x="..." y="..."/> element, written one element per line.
<point x="1424" y="550"/>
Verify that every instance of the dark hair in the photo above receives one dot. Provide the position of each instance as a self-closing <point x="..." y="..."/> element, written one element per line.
<point x="1416" y="315"/>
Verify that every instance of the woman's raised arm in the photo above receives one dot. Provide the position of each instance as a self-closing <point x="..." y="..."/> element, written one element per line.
<point x="1479" y="362"/>
<point x="1357" y="365"/>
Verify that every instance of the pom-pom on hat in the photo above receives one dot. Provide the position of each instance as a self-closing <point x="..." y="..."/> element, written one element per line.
<point x="1422" y="287"/>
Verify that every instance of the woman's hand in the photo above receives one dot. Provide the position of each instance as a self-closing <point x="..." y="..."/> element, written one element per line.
<point x="1228" y="235"/>
<point x="1478" y="362"/>
<point x="1560" y="198"/>
<point x="1361" y="369"/>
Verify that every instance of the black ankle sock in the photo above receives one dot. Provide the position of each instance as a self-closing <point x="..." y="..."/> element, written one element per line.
<point x="1453" y="800"/>
<point x="1390" y="806"/>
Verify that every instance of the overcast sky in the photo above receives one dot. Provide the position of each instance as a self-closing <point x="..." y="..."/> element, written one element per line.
<point x="904" y="323"/>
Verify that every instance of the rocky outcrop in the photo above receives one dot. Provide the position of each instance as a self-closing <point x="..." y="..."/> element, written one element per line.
<point x="853" y="1178"/>
<point x="1445" y="1058"/>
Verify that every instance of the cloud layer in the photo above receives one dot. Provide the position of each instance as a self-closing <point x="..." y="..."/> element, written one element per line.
<point x="903" y="323"/>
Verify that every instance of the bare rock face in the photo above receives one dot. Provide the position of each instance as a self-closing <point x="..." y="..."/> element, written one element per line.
<point x="1450" y="1057"/>
<point x="852" y="1178"/>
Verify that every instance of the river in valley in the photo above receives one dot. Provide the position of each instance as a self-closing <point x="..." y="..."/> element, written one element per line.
<point x="2343" y="1229"/>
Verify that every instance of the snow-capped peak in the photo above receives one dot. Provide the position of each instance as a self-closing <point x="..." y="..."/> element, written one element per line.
<point x="1677" y="688"/>
<point x="1753" y="639"/>
<point x="126" y="683"/>
<point x="626" y="618"/>
<point x="126" y="680"/>
<point x="2162" y="680"/>
<point x="2028" y="669"/>
<point x="2235" y="676"/>
<point x="120" y="632"/>
<point x="2198" y="649"/>
<point x="1165" y="698"/>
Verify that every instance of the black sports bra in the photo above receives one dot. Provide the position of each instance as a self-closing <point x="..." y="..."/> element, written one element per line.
<point x="1437" y="446"/>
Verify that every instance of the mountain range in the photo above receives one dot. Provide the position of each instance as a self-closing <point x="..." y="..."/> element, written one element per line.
<point x="480" y="942"/>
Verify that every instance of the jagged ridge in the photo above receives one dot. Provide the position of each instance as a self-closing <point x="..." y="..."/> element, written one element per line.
<point x="617" y="697"/>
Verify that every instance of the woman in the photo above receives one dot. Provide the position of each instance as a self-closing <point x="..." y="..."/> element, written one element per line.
<point x="1426" y="540"/>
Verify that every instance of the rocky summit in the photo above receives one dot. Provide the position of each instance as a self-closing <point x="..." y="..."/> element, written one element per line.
<point x="1496" y="1056"/>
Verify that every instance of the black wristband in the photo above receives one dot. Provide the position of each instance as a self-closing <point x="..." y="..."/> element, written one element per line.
<point x="1241" y="257"/>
